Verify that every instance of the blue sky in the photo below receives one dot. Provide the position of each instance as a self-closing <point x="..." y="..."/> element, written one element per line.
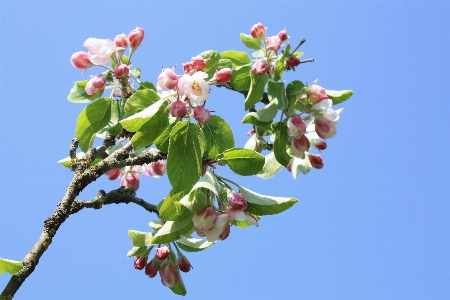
<point x="372" y="224"/>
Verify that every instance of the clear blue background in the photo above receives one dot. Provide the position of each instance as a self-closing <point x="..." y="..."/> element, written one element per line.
<point x="372" y="224"/>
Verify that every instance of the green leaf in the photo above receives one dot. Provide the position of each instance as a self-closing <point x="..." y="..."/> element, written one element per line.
<point x="113" y="126"/>
<point x="140" y="239"/>
<point x="162" y="141"/>
<point x="293" y="91"/>
<point x="250" y="42"/>
<point x="136" y="73"/>
<point x="241" y="79"/>
<point x="279" y="68"/>
<point x="148" y="124"/>
<point x="238" y="58"/>
<point x="212" y="63"/>
<point x="190" y="244"/>
<point x="171" y="209"/>
<point x="224" y="63"/>
<point x="265" y="205"/>
<point x="140" y="101"/>
<point x="172" y="230"/>
<point x="184" y="161"/>
<point x="147" y="86"/>
<point x="196" y="200"/>
<point x="218" y="136"/>
<point x="281" y="143"/>
<point x="179" y="288"/>
<point x="10" y="266"/>
<point x="271" y="167"/>
<point x="91" y="120"/>
<point x="339" y="96"/>
<point x="256" y="91"/>
<point x="243" y="161"/>
<point x="276" y="91"/>
<point x="264" y="116"/>
<point x="124" y="61"/>
<point x="78" y="93"/>
<point x="135" y="251"/>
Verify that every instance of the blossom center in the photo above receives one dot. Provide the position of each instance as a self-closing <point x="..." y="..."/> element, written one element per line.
<point x="196" y="87"/>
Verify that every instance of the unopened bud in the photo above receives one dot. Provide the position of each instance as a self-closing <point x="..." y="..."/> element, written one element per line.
<point x="130" y="180"/>
<point x="273" y="43"/>
<point x="121" y="71"/>
<point x="178" y="109"/>
<point x="224" y="75"/>
<point x="316" y="161"/>
<point x="283" y="35"/>
<point x="162" y="253"/>
<point x="135" y="37"/>
<point x="199" y="63"/>
<point x="299" y="145"/>
<point x="201" y="114"/>
<point x="80" y="60"/>
<point x="184" y="264"/>
<point x="140" y="262"/>
<point x="152" y="268"/>
<point x="121" y="40"/>
<point x="260" y="67"/>
<point x="321" y="145"/>
<point x="225" y="233"/>
<point x="113" y="174"/>
<point x="292" y="62"/>
<point x="169" y="275"/>
<point x="237" y="201"/>
<point x="95" y="85"/>
<point x="258" y="31"/>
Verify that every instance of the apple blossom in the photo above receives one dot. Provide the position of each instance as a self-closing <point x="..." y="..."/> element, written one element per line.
<point x="183" y="263"/>
<point x="178" y="109"/>
<point x="152" y="267"/>
<point x="258" y="31"/>
<point x="273" y="43"/>
<point x="260" y="66"/>
<point x="188" y="67"/>
<point x="224" y="75"/>
<point x="121" y="71"/>
<point x="162" y="253"/>
<point x="225" y="233"/>
<point x="113" y="174"/>
<point x="121" y="40"/>
<point x="135" y="37"/>
<point x="241" y="216"/>
<point x="80" y="60"/>
<point x="317" y="93"/>
<point x="101" y="50"/>
<point x="140" y="262"/>
<point x="169" y="275"/>
<point x="292" y="62"/>
<point x="296" y="126"/>
<point x="316" y="161"/>
<point x="205" y="219"/>
<point x="130" y="180"/>
<point x="237" y="201"/>
<point x="95" y="85"/>
<point x="283" y="35"/>
<point x="201" y="114"/>
<point x="325" y="119"/>
<point x="299" y="145"/>
<point x="168" y="79"/>
<point x="199" y="63"/>
<point x="194" y="86"/>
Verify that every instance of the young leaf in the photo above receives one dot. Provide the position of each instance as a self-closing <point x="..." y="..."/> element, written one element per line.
<point x="172" y="230"/>
<point x="140" y="101"/>
<point x="265" y="205"/>
<point x="271" y="167"/>
<point x="179" y="288"/>
<point x="241" y="79"/>
<point x="276" y="91"/>
<point x="196" y="200"/>
<point x="78" y="93"/>
<point x="264" y="116"/>
<point x="339" y="96"/>
<point x="218" y="136"/>
<point x="279" y="68"/>
<point x="281" y="143"/>
<point x="293" y="90"/>
<point x="184" y="161"/>
<point x="243" y="161"/>
<point x="136" y="73"/>
<point x="190" y="244"/>
<point x="212" y="63"/>
<point x="146" y="85"/>
<point x="256" y="91"/>
<point x="224" y="63"/>
<point x="10" y="266"/>
<point x="91" y="120"/>
<point x="140" y="239"/>
<point x="135" y="251"/>
<point x="171" y="209"/>
<point x="238" y="58"/>
<point x="250" y="42"/>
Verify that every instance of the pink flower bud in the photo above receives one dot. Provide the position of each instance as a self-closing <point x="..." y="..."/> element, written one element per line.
<point x="188" y="67"/>
<point x="152" y="268"/>
<point x="283" y="35"/>
<point x="292" y="62"/>
<point x="317" y="93"/>
<point x="260" y="67"/>
<point x="225" y="233"/>
<point x="205" y="219"/>
<point x="95" y="85"/>
<point x="140" y="262"/>
<point x="121" y="40"/>
<point x="162" y="253"/>
<point x="121" y="71"/>
<point x="135" y="37"/>
<point x="273" y="43"/>
<point x="299" y="145"/>
<point x="178" y="109"/>
<point x="258" y="31"/>
<point x="113" y="174"/>
<point x="130" y="180"/>
<point x="325" y="119"/>
<point x="169" y="275"/>
<point x="168" y="79"/>
<point x="296" y="126"/>
<point x="199" y="63"/>
<point x="237" y="201"/>
<point x="184" y="264"/>
<point x="201" y="114"/>
<point x="159" y="167"/>
<point x="80" y="60"/>
<point x="224" y="75"/>
<point x="316" y="161"/>
<point x="321" y="145"/>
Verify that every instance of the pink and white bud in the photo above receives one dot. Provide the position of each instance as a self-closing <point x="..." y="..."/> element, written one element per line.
<point x="130" y="180"/>
<point x="237" y="201"/>
<point x="194" y="86"/>
<point x="178" y="109"/>
<point x="273" y="43"/>
<point x="296" y="126"/>
<point x="121" y="40"/>
<point x="169" y="275"/>
<point x="258" y="31"/>
<point x="224" y="75"/>
<point x="260" y="67"/>
<point x="168" y="79"/>
<point x="101" y="50"/>
<point x="325" y="119"/>
<point x="199" y="63"/>
<point x="159" y="167"/>
<point x="162" y="253"/>
<point x="316" y="161"/>
<point x="292" y="62"/>
<point x="299" y="145"/>
<point x="225" y="233"/>
<point x="317" y="93"/>
<point x="201" y="114"/>
<point x="135" y="37"/>
<point x="140" y="262"/>
<point x="121" y="71"/>
<point x="205" y="219"/>
<point x="152" y="268"/>
<point x="113" y="174"/>
<point x="183" y="263"/>
<point x="283" y="35"/>
<point x="320" y="145"/>
<point x="80" y="60"/>
<point x="95" y="85"/>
